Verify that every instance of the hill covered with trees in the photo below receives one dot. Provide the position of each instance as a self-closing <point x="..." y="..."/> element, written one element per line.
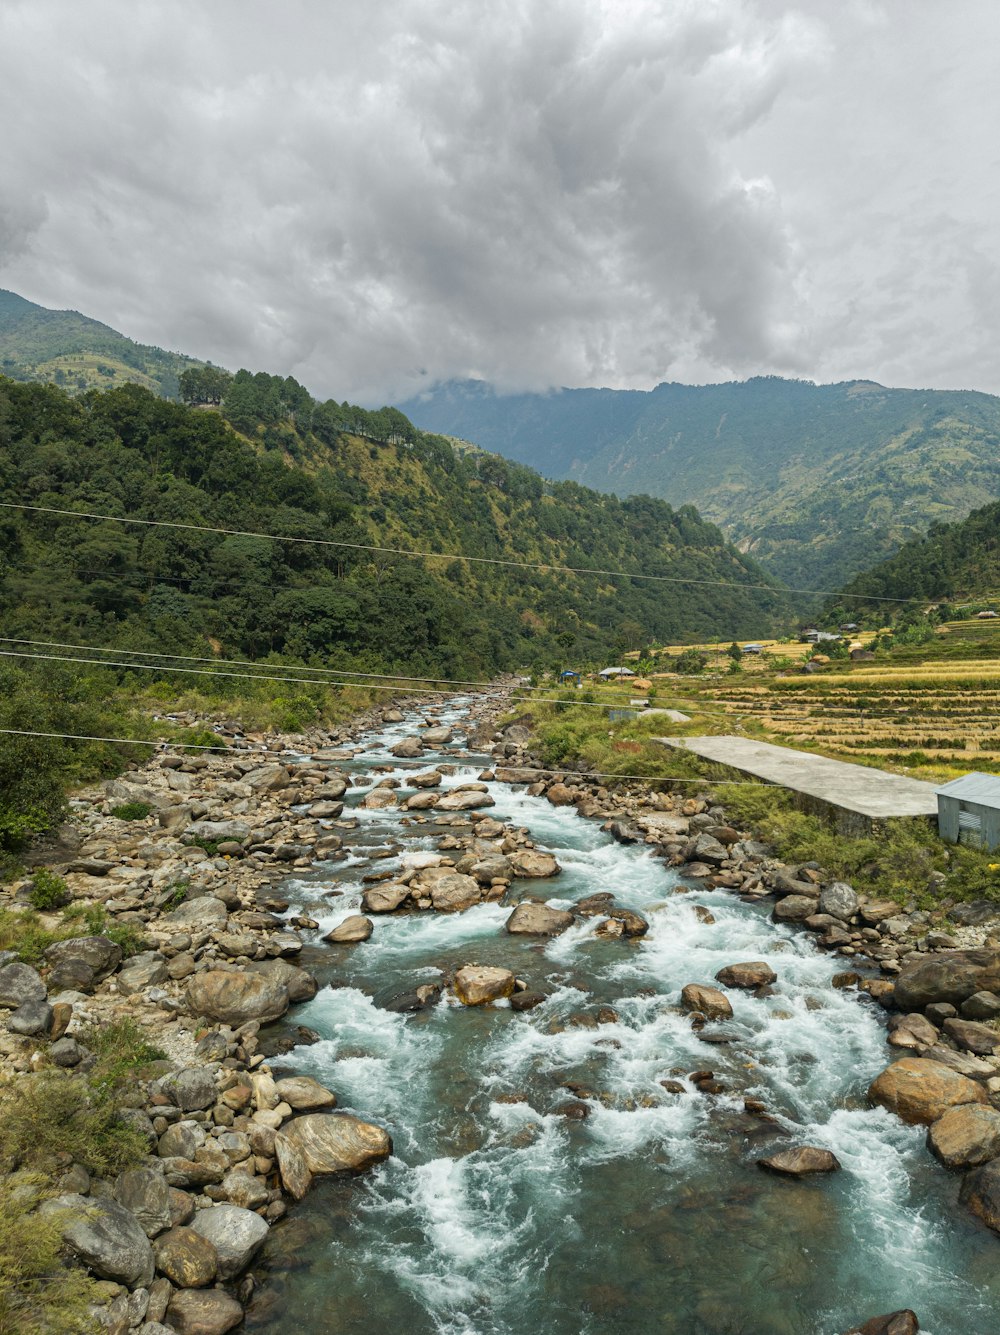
<point x="819" y="482"/>
<point x="274" y="461"/>
<point x="78" y="353"/>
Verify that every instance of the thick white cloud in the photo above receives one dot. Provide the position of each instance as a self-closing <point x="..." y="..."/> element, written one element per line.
<point x="536" y="191"/>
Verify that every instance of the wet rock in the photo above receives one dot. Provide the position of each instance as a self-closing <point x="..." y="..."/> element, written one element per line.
<point x="623" y="923"/>
<point x="352" y="930"/>
<point x="980" y="1193"/>
<point x="708" y="1001"/>
<point x="846" y="979"/>
<point x="972" y="1037"/>
<point x="919" y="1090"/>
<point x="407" y="749"/>
<point x="235" y="998"/>
<point x="461" y="799"/>
<point x="379" y="798"/>
<point x="530" y="919"/>
<point x="420" y="998"/>
<point x="203" y="1311"/>
<point x="235" y="1233"/>
<point x="952" y="976"/>
<point x="20" y="983"/>
<point x="384" y="898"/>
<point x="530" y="864"/>
<point x="595" y="906"/>
<point x="625" y="832"/>
<point x="186" y="1258"/>
<point x="747" y="976"/>
<point x="981" y="1006"/>
<point x="304" y="1094"/>
<point x="838" y="900"/>
<point x="903" y="1322"/>
<point x="323" y="1143"/>
<point x="560" y="795"/>
<point x="105" y="1237"/>
<point x="800" y="1162"/>
<point x="451" y="892"/>
<point x="476" y="985"/>
<point x="965" y="1136"/>
<point x="526" y="1001"/>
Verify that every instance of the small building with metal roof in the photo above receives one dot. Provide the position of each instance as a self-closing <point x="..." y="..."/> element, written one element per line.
<point x="969" y="810"/>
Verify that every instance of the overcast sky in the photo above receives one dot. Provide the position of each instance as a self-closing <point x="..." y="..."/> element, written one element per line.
<point x="374" y="196"/>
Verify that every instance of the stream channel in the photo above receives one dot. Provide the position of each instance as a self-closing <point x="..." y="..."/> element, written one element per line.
<point x="497" y="1215"/>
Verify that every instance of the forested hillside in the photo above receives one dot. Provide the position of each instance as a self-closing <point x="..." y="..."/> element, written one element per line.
<point x="79" y="353"/>
<point x="305" y="472"/>
<point x="817" y="481"/>
<point x="953" y="562"/>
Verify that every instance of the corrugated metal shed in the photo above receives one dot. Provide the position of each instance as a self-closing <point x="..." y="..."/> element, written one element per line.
<point x="969" y="810"/>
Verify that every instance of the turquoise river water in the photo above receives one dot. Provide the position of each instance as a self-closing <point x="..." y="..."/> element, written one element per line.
<point x="496" y="1215"/>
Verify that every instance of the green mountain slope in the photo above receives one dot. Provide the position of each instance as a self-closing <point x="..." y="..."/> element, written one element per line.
<point x="79" y="353"/>
<point x="953" y="562"/>
<point x="284" y="464"/>
<point x="817" y="481"/>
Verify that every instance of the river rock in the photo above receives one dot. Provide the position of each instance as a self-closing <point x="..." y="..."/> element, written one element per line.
<point x="839" y="900"/>
<point x="82" y="957"/>
<point x="712" y="1003"/>
<point x="30" y="1018"/>
<point x="191" y="1089"/>
<point x="981" y="1006"/>
<point x="706" y="848"/>
<point x="235" y="1233"/>
<point x="304" y="1094"/>
<point x="972" y="1037"/>
<point x="351" y="930"/>
<point x="235" y="998"/>
<point x="560" y="796"/>
<point x="384" y="898"/>
<point x="105" y="1237"/>
<point x="20" y="983"/>
<point x="141" y="971"/>
<point x="530" y="864"/>
<point x="439" y="736"/>
<point x="477" y="984"/>
<point x="800" y="1162"/>
<point x="407" y="749"/>
<point x="622" y="923"/>
<point x="379" y="798"/>
<point x="186" y="1258"/>
<point x="421" y="801"/>
<point x="918" y="1090"/>
<point x="952" y="975"/>
<point x="451" y="892"/>
<point x="430" y="778"/>
<point x="965" y="1136"/>
<point x="322" y="1143"/>
<point x="748" y="976"/>
<point x="203" y="1312"/>
<point x="462" y="799"/>
<point x="146" y="1196"/>
<point x="201" y="914"/>
<point x="903" y="1322"/>
<point x="913" y="1031"/>
<point x="530" y="919"/>
<point x="299" y="983"/>
<point x="793" y="908"/>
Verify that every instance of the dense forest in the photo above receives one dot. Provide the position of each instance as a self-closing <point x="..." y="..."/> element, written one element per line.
<point x="952" y="562"/>
<point x="818" y="482"/>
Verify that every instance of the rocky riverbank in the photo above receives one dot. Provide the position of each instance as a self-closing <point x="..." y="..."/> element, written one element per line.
<point x="197" y="881"/>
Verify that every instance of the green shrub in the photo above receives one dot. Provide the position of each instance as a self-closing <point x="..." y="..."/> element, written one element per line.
<point x="48" y="891"/>
<point x="24" y="934"/>
<point x="132" y="811"/>
<point x="39" y="1295"/>
<point x="52" y="1113"/>
<point x="120" y="1047"/>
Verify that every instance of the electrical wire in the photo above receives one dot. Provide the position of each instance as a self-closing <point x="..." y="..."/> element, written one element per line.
<point x="446" y="556"/>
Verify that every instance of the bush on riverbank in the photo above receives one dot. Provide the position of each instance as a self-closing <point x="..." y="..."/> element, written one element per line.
<point x="39" y="1295"/>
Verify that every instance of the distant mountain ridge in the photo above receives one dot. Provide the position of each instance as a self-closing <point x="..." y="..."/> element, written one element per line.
<point x="79" y="353"/>
<point x="819" y="482"/>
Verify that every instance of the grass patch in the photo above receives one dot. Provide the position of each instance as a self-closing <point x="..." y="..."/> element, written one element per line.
<point x="50" y="1114"/>
<point x="121" y="1048"/>
<point x="39" y="1295"/>
<point x="132" y="811"/>
<point x="48" y="891"/>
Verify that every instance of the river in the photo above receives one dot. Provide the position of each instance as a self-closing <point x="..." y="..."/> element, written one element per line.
<point x="498" y="1215"/>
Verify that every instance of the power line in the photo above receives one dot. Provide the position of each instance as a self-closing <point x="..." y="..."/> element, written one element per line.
<point x="271" y="751"/>
<point x="445" y="556"/>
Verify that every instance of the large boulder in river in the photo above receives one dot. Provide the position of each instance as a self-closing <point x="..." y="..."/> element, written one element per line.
<point x="351" y="930"/>
<point x="186" y="1258"/>
<point x="709" y="1001"/>
<point x="800" y="1162"/>
<point x="465" y="799"/>
<point x="903" y="1322"/>
<point x="235" y="998"/>
<point x="921" y="1091"/>
<point x="952" y="975"/>
<point x="838" y="900"/>
<point x="749" y="976"/>
<point x="384" y="898"/>
<point x="966" y="1136"/>
<point x="304" y="1094"/>
<point x="379" y="798"/>
<point x="980" y="1193"/>
<point x="105" y="1237"/>
<point x="235" y="1233"/>
<point x="477" y="984"/>
<point x="408" y="748"/>
<point x="530" y="919"/>
<point x="321" y="1143"/>
<point x="450" y="892"/>
<point x="530" y="864"/>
